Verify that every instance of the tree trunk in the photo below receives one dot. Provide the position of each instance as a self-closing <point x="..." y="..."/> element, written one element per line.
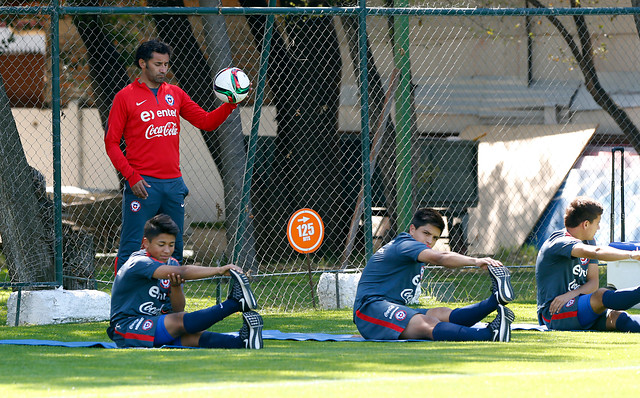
<point x="387" y="158"/>
<point x="226" y="144"/>
<point x="304" y="76"/>
<point x="26" y="241"/>
<point x="230" y="140"/>
<point x="636" y="17"/>
<point x="78" y="251"/>
<point x="108" y="74"/>
<point x="584" y="57"/>
<point x="592" y="83"/>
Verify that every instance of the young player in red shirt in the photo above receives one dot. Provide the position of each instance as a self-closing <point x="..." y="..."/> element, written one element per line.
<point x="146" y="113"/>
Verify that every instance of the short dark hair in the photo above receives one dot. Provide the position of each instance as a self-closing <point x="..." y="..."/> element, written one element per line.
<point x="582" y="209"/>
<point x="160" y="224"/>
<point x="145" y="50"/>
<point x="428" y="216"/>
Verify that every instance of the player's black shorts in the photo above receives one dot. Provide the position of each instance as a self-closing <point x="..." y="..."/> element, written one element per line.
<point x="384" y="320"/>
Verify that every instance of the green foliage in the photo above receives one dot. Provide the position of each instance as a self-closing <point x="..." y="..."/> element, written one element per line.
<point x="523" y="255"/>
<point x="127" y="32"/>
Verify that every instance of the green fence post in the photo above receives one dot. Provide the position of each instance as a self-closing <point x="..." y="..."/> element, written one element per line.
<point x="364" y="126"/>
<point x="253" y="138"/>
<point x="55" y="120"/>
<point x="403" y="117"/>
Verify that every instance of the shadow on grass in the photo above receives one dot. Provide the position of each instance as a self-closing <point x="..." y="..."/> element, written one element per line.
<point x="37" y="368"/>
<point x="32" y="368"/>
<point x="61" y="368"/>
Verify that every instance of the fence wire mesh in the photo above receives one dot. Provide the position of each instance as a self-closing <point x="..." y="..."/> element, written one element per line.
<point x="497" y="121"/>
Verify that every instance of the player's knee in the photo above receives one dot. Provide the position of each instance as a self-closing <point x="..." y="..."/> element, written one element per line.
<point x="600" y="292"/>
<point x="612" y="318"/>
<point x="174" y="323"/>
<point x="596" y="300"/>
<point x="440" y="313"/>
<point x="420" y="327"/>
<point x="426" y="323"/>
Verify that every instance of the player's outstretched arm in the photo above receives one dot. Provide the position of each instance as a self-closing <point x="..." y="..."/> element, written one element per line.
<point x="455" y="260"/>
<point x="605" y="253"/>
<point x="485" y="262"/>
<point x="191" y="272"/>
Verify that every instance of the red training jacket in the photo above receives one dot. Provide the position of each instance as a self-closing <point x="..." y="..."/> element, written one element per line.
<point x="151" y="129"/>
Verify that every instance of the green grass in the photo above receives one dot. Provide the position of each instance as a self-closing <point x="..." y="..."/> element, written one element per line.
<point x="533" y="364"/>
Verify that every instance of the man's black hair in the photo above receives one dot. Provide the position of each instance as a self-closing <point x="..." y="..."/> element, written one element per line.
<point x="145" y="50"/>
<point x="428" y="216"/>
<point x="160" y="224"/>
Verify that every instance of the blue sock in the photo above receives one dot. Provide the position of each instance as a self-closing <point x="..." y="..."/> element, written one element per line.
<point x="198" y="321"/>
<point x="472" y="314"/>
<point x="447" y="331"/>
<point x="219" y="340"/>
<point x="628" y="323"/>
<point x="622" y="299"/>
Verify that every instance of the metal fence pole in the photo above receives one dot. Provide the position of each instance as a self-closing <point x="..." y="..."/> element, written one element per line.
<point x="253" y="138"/>
<point x="364" y="124"/>
<point x="403" y="117"/>
<point x="57" y="164"/>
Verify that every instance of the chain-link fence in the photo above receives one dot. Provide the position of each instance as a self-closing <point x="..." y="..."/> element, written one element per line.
<point x="496" y="117"/>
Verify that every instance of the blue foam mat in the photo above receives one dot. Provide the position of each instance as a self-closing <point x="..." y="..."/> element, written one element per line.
<point x="266" y="334"/>
<point x="54" y="343"/>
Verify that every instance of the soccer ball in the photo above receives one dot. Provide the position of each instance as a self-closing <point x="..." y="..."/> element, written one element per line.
<point x="231" y="85"/>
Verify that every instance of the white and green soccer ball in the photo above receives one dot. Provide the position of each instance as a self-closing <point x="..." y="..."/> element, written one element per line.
<point x="232" y="85"/>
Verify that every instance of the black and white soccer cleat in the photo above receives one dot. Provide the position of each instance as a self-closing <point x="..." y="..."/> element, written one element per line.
<point x="240" y="290"/>
<point x="501" y="284"/>
<point x="251" y="331"/>
<point x="501" y="326"/>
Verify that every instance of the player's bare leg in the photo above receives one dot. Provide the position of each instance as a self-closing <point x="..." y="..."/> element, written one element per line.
<point x="440" y="313"/>
<point x="420" y="327"/>
<point x="596" y="301"/>
<point x="174" y="324"/>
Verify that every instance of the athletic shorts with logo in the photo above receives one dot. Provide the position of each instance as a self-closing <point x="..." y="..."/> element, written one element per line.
<point x="384" y="320"/>
<point x="568" y="319"/>
<point x="136" y="332"/>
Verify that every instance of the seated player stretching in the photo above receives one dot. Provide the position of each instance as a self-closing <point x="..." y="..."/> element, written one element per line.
<point x="569" y="293"/>
<point x="147" y="301"/>
<point x="392" y="278"/>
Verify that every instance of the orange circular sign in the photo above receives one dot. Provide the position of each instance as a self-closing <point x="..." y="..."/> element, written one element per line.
<point x="305" y="231"/>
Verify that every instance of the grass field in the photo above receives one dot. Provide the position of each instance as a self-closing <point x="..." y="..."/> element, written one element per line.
<point x="533" y="364"/>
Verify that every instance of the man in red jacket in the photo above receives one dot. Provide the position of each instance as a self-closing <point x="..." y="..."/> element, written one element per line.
<point x="147" y="114"/>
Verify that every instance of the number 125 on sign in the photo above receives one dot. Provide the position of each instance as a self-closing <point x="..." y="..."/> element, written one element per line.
<point x="305" y="231"/>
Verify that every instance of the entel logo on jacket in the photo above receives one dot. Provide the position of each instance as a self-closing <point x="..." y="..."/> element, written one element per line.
<point x="147" y="116"/>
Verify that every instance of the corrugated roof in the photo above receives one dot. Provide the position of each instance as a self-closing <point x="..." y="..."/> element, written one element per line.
<point x="510" y="96"/>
